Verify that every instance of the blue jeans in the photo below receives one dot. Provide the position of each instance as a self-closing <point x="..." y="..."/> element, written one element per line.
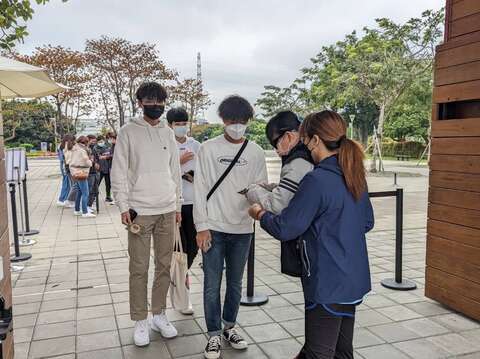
<point x="65" y="188"/>
<point x="82" y="196"/>
<point x="233" y="250"/>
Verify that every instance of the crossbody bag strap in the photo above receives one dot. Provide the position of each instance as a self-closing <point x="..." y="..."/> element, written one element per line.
<point x="227" y="171"/>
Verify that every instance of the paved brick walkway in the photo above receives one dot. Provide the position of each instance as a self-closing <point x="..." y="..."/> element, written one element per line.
<point x="71" y="299"/>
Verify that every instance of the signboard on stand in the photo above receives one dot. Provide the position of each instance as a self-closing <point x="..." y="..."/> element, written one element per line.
<point x="15" y="164"/>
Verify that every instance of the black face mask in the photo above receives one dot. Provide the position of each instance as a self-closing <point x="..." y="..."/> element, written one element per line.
<point x="153" y="111"/>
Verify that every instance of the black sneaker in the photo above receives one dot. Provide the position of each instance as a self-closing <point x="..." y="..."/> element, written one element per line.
<point x="212" y="350"/>
<point x="235" y="340"/>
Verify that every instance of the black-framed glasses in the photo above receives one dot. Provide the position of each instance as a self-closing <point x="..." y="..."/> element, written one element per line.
<point x="276" y="140"/>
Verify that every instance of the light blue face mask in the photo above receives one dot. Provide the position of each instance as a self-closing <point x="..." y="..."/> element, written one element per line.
<point x="180" y="131"/>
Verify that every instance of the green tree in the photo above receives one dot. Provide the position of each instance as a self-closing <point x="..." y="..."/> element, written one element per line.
<point x="12" y="14"/>
<point x="275" y="99"/>
<point x="410" y="117"/>
<point x="256" y="133"/>
<point x="27" y="122"/>
<point x="387" y="61"/>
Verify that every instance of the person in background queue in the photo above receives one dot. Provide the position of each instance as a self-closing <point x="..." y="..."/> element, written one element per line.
<point x="104" y="151"/>
<point x="331" y="211"/>
<point x="146" y="184"/>
<point x="65" y="146"/>
<point x="80" y="165"/>
<point x="188" y="148"/>
<point x="93" y="175"/>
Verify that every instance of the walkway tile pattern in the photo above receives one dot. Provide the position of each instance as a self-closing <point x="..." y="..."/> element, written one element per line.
<point x="71" y="298"/>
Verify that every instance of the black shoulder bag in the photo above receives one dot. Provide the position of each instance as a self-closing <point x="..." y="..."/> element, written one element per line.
<point x="227" y="171"/>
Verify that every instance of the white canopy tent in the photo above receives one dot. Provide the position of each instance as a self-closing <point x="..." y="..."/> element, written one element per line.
<point x="18" y="79"/>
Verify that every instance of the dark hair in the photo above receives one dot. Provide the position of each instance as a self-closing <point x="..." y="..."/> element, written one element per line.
<point x="111" y="135"/>
<point x="66" y="141"/>
<point x="100" y="138"/>
<point x="92" y="137"/>
<point x="331" y="128"/>
<point x="177" y="114"/>
<point x="282" y="122"/>
<point x="82" y="140"/>
<point x="152" y="91"/>
<point x="235" y="108"/>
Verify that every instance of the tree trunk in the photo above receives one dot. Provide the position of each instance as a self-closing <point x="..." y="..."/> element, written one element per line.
<point x="381" y="120"/>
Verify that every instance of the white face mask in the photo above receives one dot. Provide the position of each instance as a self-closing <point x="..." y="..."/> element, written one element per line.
<point x="180" y="131"/>
<point x="236" y="131"/>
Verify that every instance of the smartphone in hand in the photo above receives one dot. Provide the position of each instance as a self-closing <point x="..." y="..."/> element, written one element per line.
<point x="133" y="214"/>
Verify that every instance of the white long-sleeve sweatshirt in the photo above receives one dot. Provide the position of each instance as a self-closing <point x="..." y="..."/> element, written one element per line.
<point x="146" y="169"/>
<point x="227" y="210"/>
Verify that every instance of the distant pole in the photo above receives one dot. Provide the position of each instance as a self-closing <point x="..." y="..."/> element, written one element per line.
<point x="352" y="118"/>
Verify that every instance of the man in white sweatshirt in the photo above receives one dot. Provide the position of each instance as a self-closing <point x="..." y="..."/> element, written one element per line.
<point x="146" y="182"/>
<point x="223" y="225"/>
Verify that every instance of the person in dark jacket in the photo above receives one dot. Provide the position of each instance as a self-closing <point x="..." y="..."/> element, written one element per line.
<point x="331" y="212"/>
<point x="105" y="154"/>
<point x="93" y="174"/>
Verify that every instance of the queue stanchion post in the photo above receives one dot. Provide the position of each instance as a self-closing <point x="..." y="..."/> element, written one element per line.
<point x="399" y="283"/>
<point x="251" y="298"/>
<point x="28" y="231"/>
<point x="25" y="241"/>
<point x="18" y="257"/>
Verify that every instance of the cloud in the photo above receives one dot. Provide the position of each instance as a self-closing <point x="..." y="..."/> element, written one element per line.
<point x="244" y="44"/>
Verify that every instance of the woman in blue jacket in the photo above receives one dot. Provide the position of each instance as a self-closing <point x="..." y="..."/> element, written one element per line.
<point x="331" y="212"/>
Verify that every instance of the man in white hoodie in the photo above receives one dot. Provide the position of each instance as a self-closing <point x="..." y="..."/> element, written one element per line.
<point x="223" y="225"/>
<point x="146" y="184"/>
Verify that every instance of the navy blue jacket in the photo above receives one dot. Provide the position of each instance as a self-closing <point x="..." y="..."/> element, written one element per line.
<point x="333" y="226"/>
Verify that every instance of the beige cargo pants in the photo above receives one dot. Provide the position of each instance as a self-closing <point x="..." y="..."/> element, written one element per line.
<point x="162" y="229"/>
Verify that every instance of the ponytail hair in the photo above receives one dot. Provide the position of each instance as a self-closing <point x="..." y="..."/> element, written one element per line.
<point x="350" y="158"/>
<point x="331" y="128"/>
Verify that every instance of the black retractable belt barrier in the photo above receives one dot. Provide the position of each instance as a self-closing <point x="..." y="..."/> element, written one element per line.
<point x="18" y="257"/>
<point x="252" y="298"/>
<point x="397" y="283"/>
<point x="28" y="231"/>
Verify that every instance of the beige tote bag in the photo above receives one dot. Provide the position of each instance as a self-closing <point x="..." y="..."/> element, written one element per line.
<point x="179" y="291"/>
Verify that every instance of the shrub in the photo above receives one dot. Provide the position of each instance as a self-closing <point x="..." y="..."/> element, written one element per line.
<point x="391" y="148"/>
<point x="28" y="146"/>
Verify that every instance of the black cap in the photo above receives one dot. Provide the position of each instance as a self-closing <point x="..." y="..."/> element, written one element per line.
<point x="279" y="124"/>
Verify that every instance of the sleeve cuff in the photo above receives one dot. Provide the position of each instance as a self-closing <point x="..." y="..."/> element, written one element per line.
<point x="202" y="227"/>
<point x="123" y="207"/>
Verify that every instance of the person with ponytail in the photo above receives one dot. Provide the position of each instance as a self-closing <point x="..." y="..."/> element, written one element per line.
<point x="330" y="212"/>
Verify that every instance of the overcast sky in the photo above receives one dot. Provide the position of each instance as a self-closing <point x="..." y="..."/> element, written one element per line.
<point x="244" y="44"/>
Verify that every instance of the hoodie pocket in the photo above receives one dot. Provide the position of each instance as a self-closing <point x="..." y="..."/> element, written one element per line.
<point x="153" y="189"/>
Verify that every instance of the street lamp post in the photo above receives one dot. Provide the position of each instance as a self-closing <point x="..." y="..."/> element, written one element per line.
<point x="352" y="118"/>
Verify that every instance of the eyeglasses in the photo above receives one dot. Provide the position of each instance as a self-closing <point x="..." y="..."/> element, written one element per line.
<point x="276" y="140"/>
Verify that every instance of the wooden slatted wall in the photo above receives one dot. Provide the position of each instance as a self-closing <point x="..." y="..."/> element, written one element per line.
<point x="6" y="283"/>
<point x="453" y="230"/>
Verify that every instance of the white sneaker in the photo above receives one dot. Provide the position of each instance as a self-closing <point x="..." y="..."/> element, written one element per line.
<point x="69" y="204"/>
<point x="60" y="204"/>
<point x="89" y="215"/>
<point x="77" y="213"/>
<point x="91" y="209"/>
<point x="188" y="311"/>
<point x="161" y="325"/>
<point x="141" y="336"/>
<point x="212" y="350"/>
